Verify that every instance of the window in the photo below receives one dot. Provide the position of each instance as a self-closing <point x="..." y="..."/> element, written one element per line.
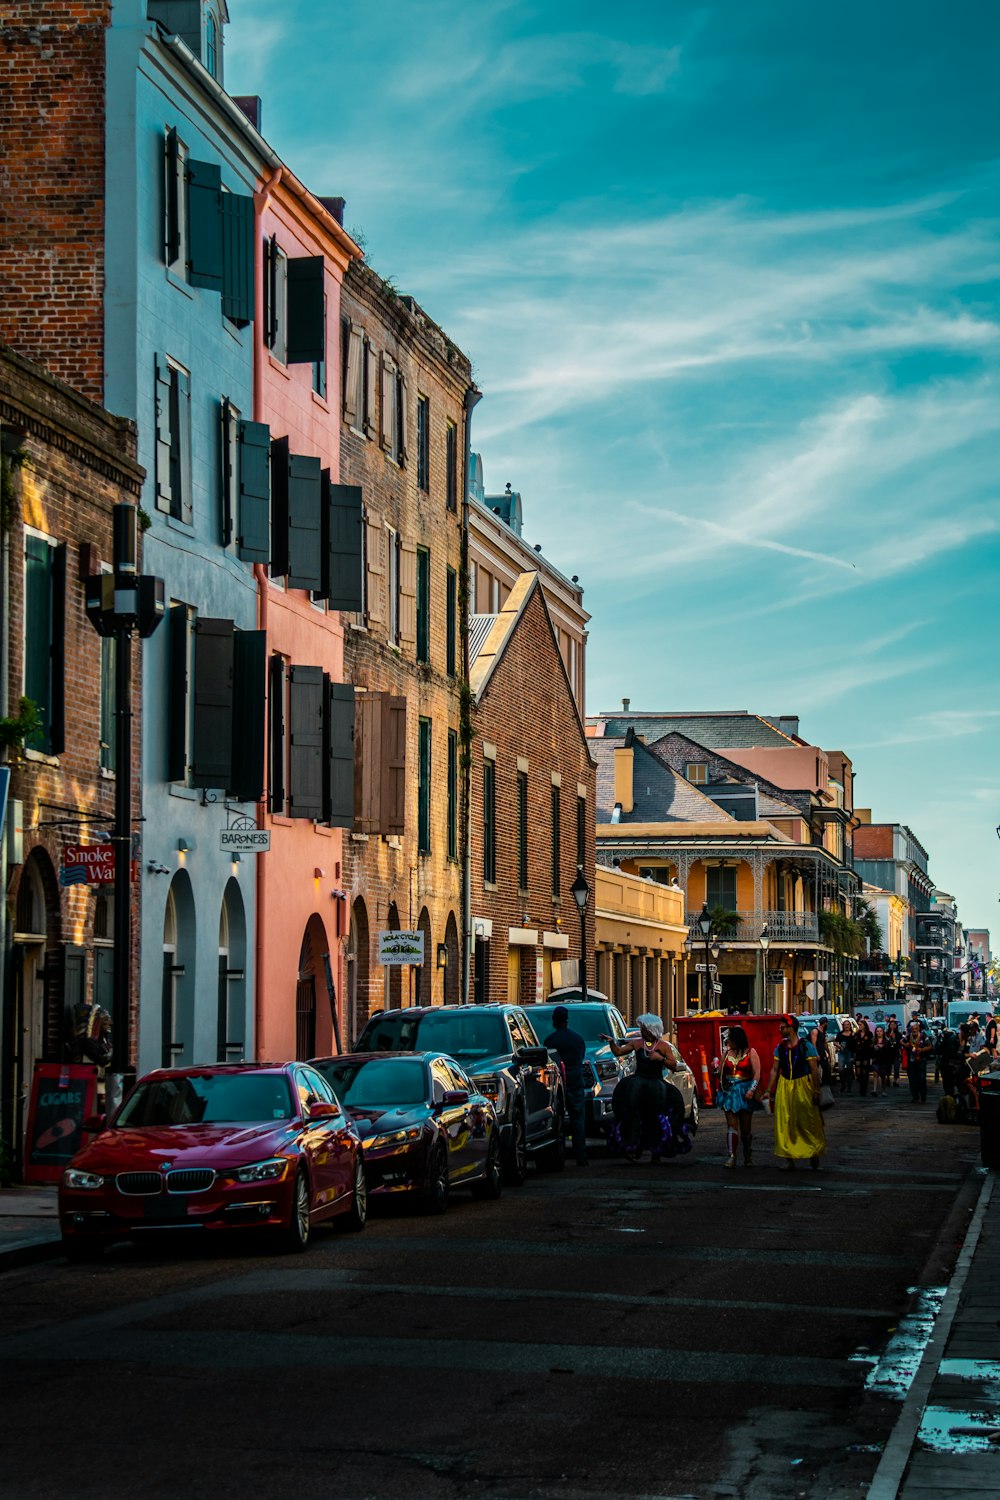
<point x="277" y="745"/>
<point x="556" y="851"/>
<point x="294" y="306"/>
<point x="423" y="443"/>
<point x="319" y="365"/>
<point x="173" y="440"/>
<point x="581" y="831"/>
<point x="275" y="299"/>
<point x="380" y="759"/>
<point x="215" y="710"/>
<point x="423" y="604"/>
<point x="451" y="624"/>
<point x="393" y="586"/>
<point x="393" y="432"/>
<point x="452" y="794"/>
<point x="212" y="45"/>
<point x="44" y="639"/>
<point x="451" y="465"/>
<point x="359" y="380"/>
<point x="697" y="772"/>
<point x="176" y="199"/>
<point x="522" y="830"/>
<point x="489" y="822"/>
<point x="208" y="230"/>
<point x="246" y="485"/>
<point x="721" y="887"/>
<point x="107" y="750"/>
<point x="424" y="788"/>
<point x="310" y="744"/>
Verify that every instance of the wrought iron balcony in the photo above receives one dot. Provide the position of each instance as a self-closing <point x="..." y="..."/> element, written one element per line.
<point x="782" y="927"/>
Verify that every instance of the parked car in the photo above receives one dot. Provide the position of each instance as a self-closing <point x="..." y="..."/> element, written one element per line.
<point x="683" y="1080"/>
<point x="228" y="1147"/>
<point x="425" y="1127"/>
<point x="602" y="1071"/>
<point x="499" y="1049"/>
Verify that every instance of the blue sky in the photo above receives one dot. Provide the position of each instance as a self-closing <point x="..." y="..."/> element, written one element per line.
<point x="728" y="275"/>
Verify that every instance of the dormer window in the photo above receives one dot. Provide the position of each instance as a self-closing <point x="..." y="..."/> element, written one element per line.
<point x="212" y="44"/>
<point x="696" y="772"/>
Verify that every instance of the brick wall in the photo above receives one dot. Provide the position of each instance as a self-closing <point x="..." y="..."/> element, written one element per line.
<point x="79" y="461"/>
<point x="873" y="841"/>
<point x="380" y="872"/>
<point x="526" y="711"/>
<point x="52" y="185"/>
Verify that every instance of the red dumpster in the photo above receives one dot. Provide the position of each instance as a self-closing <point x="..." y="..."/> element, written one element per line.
<point x="709" y="1030"/>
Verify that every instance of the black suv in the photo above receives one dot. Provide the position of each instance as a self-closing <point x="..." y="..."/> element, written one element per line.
<point x="498" y="1047"/>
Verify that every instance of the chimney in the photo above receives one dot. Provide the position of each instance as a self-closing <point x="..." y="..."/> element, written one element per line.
<point x="251" y="106"/>
<point x="623" y="778"/>
<point x="625" y="704"/>
<point x="335" y="206"/>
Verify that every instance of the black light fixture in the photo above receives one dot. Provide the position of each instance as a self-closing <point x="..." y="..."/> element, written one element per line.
<point x="581" y="895"/>
<point x="764" y="939"/>
<point x="705" y="923"/>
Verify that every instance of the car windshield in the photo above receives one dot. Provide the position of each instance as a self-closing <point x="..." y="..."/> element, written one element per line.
<point x="464" y="1034"/>
<point x="208" y="1099"/>
<point x="589" y="1022"/>
<point x="378" y="1080"/>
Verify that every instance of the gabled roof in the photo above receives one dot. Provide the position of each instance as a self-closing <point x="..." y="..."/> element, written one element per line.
<point x="718" y="731"/>
<point x="659" y="794"/>
<point x="772" y="801"/>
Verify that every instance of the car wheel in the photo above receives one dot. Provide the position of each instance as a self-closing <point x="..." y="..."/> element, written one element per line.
<point x="515" y="1167"/>
<point x="553" y="1157"/>
<point x="694" y="1111"/>
<point x="436" y="1192"/>
<point x="491" y="1185"/>
<point x="356" y="1216"/>
<point x="295" y="1234"/>
<point x="80" y="1252"/>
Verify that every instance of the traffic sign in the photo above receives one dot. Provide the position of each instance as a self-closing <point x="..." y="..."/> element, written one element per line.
<point x="712" y="968"/>
<point x="717" y="989"/>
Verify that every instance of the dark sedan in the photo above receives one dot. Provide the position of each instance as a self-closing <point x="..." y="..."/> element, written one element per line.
<point x="227" y="1147"/>
<point x="425" y="1127"/>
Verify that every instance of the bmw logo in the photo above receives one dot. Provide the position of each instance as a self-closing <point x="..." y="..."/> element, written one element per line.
<point x="165" y="1166"/>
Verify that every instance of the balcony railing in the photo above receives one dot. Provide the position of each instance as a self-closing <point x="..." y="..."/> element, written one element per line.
<point x="782" y="927"/>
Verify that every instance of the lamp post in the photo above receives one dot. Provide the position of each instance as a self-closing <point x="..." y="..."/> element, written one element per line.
<point x="119" y="604"/>
<point x="765" y="943"/>
<point x="705" y="923"/>
<point x="581" y="895"/>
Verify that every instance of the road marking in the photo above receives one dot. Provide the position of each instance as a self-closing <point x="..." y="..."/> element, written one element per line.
<point x="680" y="1250"/>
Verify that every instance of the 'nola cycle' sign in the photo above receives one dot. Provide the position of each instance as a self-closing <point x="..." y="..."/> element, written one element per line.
<point x="401" y="947"/>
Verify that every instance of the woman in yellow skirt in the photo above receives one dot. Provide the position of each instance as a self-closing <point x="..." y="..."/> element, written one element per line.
<point x="794" y="1090"/>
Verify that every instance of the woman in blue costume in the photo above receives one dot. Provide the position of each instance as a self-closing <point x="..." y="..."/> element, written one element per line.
<point x="739" y="1086"/>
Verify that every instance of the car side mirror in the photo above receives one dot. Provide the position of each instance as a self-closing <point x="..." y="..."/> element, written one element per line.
<point x="531" y="1057"/>
<point x="322" y="1109"/>
<point x="455" y="1096"/>
<point x="94" y="1123"/>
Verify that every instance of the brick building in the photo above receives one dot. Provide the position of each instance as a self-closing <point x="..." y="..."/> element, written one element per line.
<point x="407" y="395"/>
<point x="532" y="801"/>
<point x="66" y="462"/>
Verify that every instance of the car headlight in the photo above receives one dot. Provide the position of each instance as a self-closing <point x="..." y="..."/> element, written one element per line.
<point x="74" y="1178"/>
<point x="271" y="1170"/>
<point x="608" y="1069"/>
<point x="492" y="1087"/>
<point x="393" y="1138"/>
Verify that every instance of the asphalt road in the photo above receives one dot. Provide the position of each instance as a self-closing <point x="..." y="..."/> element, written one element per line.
<point x="625" y="1330"/>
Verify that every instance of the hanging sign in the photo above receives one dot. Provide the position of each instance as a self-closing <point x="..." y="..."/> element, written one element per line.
<point x="401" y="947"/>
<point x="245" y="840"/>
<point x="90" y="864"/>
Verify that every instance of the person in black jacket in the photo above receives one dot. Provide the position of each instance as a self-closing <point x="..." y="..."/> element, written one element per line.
<point x="863" y="1047"/>
<point x="570" y="1047"/>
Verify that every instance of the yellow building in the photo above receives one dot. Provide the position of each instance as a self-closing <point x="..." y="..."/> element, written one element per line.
<point x="640" y="936"/>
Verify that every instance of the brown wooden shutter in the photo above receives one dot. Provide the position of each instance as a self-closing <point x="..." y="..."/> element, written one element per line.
<point x="393" y="765"/>
<point x="367" y="762"/>
<point x="371" y="369"/>
<point x="408" y="594"/>
<point x="388" y="412"/>
<point x="352" y="376"/>
<point x="376" y="580"/>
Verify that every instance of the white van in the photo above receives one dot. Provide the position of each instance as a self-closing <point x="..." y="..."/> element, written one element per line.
<point x="961" y="1010"/>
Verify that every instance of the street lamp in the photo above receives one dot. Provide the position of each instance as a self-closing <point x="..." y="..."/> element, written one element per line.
<point x="765" y="943"/>
<point x="705" y="923"/>
<point x="581" y="895"/>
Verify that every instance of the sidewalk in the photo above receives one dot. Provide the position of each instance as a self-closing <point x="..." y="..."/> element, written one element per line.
<point x="29" y="1225"/>
<point x="946" y="1442"/>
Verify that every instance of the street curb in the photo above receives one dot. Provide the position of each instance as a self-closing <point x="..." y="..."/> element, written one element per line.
<point x="29" y="1252"/>
<point x="896" y="1455"/>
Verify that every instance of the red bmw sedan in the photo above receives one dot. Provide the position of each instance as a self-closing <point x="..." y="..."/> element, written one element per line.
<point x="227" y="1147"/>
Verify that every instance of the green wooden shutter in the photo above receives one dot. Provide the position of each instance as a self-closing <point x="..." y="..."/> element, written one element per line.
<point x="423" y="604"/>
<point x="451" y="623"/>
<point x="276" y="734"/>
<point x="306" y="310"/>
<point x="393" y="793"/>
<point x="339" y="809"/>
<point x="236" y="211"/>
<point x="424" y="787"/>
<point x="280" y="461"/>
<point x="344" y="524"/>
<point x="204" y="225"/>
<point x="249" y="654"/>
<point x="38" y="635"/>
<point x="173" y="186"/>
<point x="452" y="794"/>
<point x="301" y="522"/>
<point x="305" y="749"/>
<point x="212" y="733"/>
<point x="57" y="712"/>
<point x="164" y="435"/>
<point x="253" y="534"/>
<point x="177" y="689"/>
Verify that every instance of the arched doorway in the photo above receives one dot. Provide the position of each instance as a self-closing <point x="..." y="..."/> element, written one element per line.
<point x="426" y="972"/>
<point x="394" y="972"/>
<point x="312" y="988"/>
<point x="231" y="1041"/>
<point x="452" y="973"/>
<point x="178" y="984"/>
<point x="38" y="1003"/>
<point x="358" y="970"/>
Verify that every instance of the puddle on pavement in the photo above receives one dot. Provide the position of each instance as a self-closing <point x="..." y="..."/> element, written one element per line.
<point x="892" y="1371"/>
<point x="943" y="1430"/>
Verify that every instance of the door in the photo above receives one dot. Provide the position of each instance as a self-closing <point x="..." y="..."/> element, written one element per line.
<point x="305" y="1018"/>
<point x="537" y="1083"/>
<point x="454" y="1120"/>
<point x="325" y="1143"/>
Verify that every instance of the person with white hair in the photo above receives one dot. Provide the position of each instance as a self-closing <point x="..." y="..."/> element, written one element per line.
<point x="646" y="1094"/>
